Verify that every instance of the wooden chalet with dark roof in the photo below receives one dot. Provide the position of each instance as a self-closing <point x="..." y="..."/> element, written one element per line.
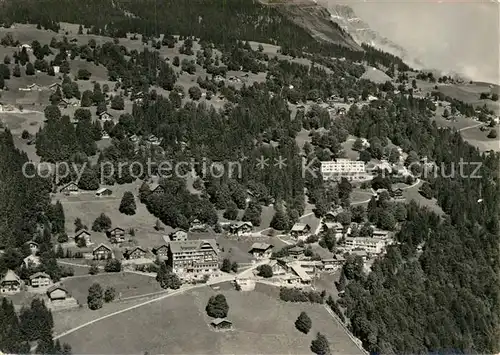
<point x="135" y="253"/>
<point x="70" y="188"/>
<point x="102" y="252"/>
<point x="57" y="293"/>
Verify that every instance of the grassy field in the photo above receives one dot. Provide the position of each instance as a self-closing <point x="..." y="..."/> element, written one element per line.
<point x="479" y="139"/>
<point x="179" y="324"/>
<point x="413" y="194"/>
<point x="88" y="207"/>
<point x="126" y="284"/>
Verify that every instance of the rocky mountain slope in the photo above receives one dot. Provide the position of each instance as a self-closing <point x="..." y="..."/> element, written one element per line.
<point x="316" y="19"/>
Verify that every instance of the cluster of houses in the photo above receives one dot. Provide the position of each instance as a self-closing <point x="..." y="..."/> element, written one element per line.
<point x="295" y="269"/>
<point x="39" y="282"/>
<point x="72" y="188"/>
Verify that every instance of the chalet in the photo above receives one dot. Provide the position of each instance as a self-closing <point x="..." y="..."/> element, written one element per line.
<point x="296" y="252"/>
<point x="336" y="227"/>
<point x="221" y="324"/>
<point x="300" y="230"/>
<point x="11" y="283"/>
<point x="40" y="279"/>
<point x="33" y="246"/>
<point x="55" y="86"/>
<point x="261" y="250"/>
<point x="56" y="68"/>
<point x="277" y="268"/>
<point x="196" y="225"/>
<point x="157" y="189"/>
<point x="397" y="194"/>
<point x="239" y="228"/>
<point x="63" y="103"/>
<point x="57" y="293"/>
<point x="102" y="252"/>
<point x="330" y="264"/>
<point x="133" y="138"/>
<point x="31" y="261"/>
<point x="116" y="235"/>
<point x="71" y="188"/>
<point x="103" y="191"/>
<point x="85" y="235"/>
<point x="178" y="236"/>
<point x="332" y="215"/>
<point x="105" y="116"/>
<point x="135" y="253"/>
<point x="161" y="252"/>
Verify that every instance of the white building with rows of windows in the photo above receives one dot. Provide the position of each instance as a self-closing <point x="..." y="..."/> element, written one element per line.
<point x="352" y="170"/>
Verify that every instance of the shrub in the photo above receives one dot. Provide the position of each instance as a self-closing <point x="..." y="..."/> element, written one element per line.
<point x="25" y="134"/>
<point x="113" y="265"/>
<point x="94" y="269"/>
<point x="109" y="294"/>
<point x="492" y="134"/>
<point x="62" y="238"/>
<point x="297" y="295"/>
<point x="265" y="271"/>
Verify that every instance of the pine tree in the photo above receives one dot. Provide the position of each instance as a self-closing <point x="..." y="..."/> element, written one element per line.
<point x="303" y="323"/>
<point x="280" y="219"/>
<point x="320" y="345"/>
<point x="231" y="212"/>
<point x="95" y="297"/>
<point x="226" y="265"/>
<point x="101" y="223"/>
<point x="127" y="204"/>
<point x="16" y="71"/>
<point x="30" y="69"/>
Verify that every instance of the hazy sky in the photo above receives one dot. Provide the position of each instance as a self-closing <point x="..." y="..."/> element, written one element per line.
<point x="458" y="35"/>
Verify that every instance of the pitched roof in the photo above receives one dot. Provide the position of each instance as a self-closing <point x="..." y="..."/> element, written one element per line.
<point x="136" y="248"/>
<point x="116" y="228"/>
<point x="242" y="223"/>
<point x="56" y="287"/>
<point x="39" y="274"/>
<point x="179" y="234"/>
<point x="101" y="190"/>
<point x="181" y="246"/>
<point x="300" y="271"/>
<point x="261" y="246"/>
<point x="101" y="245"/>
<point x="300" y="226"/>
<point x="105" y="113"/>
<point x="69" y="184"/>
<point x="296" y="249"/>
<point x="218" y="321"/>
<point x="80" y="232"/>
<point x="11" y="276"/>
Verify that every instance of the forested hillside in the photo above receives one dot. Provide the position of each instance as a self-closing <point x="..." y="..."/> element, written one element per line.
<point x="221" y="22"/>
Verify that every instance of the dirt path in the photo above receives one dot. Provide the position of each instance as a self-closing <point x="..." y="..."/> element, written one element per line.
<point x="221" y="279"/>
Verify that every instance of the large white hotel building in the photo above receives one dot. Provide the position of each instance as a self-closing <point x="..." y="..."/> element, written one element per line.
<point x="352" y="170"/>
